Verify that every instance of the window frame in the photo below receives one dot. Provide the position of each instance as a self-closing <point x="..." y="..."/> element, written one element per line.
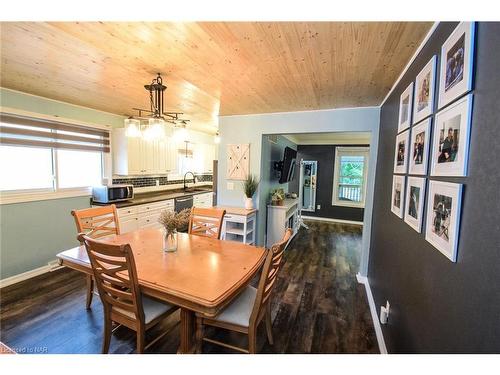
<point x="30" y="195"/>
<point x="342" y="151"/>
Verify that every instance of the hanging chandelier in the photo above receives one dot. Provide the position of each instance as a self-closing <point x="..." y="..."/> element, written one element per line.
<point x="150" y="123"/>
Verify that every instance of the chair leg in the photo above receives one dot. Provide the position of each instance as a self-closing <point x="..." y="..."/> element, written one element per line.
<point x="269" y="325"/>
<point x="199" y="335"/>
<point x="108" y="325"/>
<point x="252" y="340"/>
<point x="140" y="340"/>
<point x="90" y="290"/>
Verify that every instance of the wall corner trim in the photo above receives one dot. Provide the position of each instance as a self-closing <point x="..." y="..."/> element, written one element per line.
<point x="373" y="310"/>
<point x="424" y="41"/>
<point x="29" y="274"/>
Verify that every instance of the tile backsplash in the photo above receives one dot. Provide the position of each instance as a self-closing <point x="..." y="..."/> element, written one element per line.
<point x="163" y="180"/>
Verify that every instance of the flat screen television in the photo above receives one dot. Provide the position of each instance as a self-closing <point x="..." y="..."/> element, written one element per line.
<point x="288" y="166"/>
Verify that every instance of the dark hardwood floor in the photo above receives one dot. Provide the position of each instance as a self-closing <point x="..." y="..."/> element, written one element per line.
<point x="318" y="306"/>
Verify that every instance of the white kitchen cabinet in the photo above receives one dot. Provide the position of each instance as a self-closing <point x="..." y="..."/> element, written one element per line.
<point x="143" y="215"/>
<point x="203" y="157"/>
<point x="137" y="156"/>
<point x="203" y="200"/>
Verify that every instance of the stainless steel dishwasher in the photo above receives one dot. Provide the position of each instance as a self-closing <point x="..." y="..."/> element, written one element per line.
<point x="182" y="203"/>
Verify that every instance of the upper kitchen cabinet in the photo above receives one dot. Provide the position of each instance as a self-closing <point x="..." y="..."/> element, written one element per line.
<point x="203" y="155"/>
<point x="136" y="156"/>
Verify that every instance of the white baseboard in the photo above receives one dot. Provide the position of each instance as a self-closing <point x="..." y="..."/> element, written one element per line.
<point x="376" y="322"/>
<point x="51" y="266"/>
<point x="332" y="220"/>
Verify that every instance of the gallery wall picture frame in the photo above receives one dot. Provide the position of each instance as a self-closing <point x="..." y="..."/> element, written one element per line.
<point x="415" y="201"/>
<point x="444" y="201"/>
<point x="425" y="84"/>
<point x="457" y="64"/>
<point x="450" y="140"/>
<point x="419" y="146"/>
<point x="405" y="108"/>
<point x="401" y="152"/>
<point x="398" y="195"/>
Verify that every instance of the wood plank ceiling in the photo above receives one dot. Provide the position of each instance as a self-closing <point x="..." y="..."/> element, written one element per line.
<point x="211" y="69"/>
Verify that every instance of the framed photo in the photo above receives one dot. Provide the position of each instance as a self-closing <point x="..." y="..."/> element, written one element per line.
<point x="398" y="195"/>
<point x="443" y="217"/>
<point x="450" y="144"/>
<point x="419" y="147"/>
<point x="401" y="152"/>
<point x="425" y="84"/>
<point x="415" y="195"/>
<point x="405" y="103"/>
<point x="457" y="61"/>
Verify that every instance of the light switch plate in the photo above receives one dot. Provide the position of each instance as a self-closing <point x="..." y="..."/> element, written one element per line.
<point x="318" y="207"/>
<point x="230" y="186"/>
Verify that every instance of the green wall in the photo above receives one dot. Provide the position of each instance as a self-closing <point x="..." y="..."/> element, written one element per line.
<point x="32" y="233"/>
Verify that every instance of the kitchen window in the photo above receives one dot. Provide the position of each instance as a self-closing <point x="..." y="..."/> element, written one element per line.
<point x="350" y="173"/>
<point x="41" y="156"/>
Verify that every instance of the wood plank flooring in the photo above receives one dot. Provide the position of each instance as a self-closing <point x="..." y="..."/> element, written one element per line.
<point x="318" y="306"/>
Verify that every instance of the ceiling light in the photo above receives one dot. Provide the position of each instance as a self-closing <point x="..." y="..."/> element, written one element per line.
<point x="132" y="127"/>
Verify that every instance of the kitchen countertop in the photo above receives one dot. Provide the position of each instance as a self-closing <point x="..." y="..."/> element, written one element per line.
<point x="157" y="196"/>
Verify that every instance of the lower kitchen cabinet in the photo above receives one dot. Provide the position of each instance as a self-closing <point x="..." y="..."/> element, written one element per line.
<point x="205" y="200"/>
<point x="143" y="215"/>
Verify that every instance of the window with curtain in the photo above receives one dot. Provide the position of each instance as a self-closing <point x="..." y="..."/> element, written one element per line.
<point x="44" y="155"/>
<point x="349" y="183"/>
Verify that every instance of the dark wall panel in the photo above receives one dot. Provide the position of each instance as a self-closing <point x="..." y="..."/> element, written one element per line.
<point x="325" y="156"/>
<point x="438" y="306"/>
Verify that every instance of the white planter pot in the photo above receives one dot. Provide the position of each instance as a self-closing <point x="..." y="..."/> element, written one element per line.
<point x="248" y="203"/>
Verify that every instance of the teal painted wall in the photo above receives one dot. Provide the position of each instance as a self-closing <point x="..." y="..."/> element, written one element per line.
<point x="37" y="104"/>
<point x="32" y="233"/>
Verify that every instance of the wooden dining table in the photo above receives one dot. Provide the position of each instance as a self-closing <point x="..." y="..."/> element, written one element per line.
<point x="202" y="276"/>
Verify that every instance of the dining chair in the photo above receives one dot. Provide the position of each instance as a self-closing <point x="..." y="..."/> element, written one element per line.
<point x="115" y="276"/>
<point x="206" y="222"/>
<point x="96" y="222"/>
<point x="248" y="309"/>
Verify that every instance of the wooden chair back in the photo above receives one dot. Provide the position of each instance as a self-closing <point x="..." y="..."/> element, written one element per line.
<point x="206" y="222"/>
<point x="97" y="222"/>
<point x="268" y="277"/>
<point x="115" y="275"/>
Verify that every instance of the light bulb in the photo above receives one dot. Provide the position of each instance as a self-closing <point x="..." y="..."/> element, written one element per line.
<point x="132" y="127"/>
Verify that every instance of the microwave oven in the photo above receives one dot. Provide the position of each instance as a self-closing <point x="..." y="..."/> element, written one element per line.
<point x="112" y="193"/>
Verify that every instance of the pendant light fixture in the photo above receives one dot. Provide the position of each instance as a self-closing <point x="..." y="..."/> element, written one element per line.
<point x="150" y="123"/>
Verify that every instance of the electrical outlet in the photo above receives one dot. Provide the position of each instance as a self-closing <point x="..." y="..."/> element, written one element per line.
<point x="230" y="186"/>
<point x="157" y="182"/>
<point x="318" y="207"/>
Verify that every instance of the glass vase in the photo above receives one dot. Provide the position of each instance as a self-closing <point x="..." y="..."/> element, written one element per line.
<point x="170" y="241"/>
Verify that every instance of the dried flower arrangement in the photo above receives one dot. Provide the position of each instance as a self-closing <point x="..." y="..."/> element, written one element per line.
<point x="172" y="221"/>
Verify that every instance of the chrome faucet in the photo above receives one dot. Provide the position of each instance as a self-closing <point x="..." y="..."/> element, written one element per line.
<point x="194" y="178"/>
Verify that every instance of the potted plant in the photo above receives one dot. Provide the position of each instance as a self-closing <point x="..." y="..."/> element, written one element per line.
<point x="277" y="197"/>
<point x="250" y="187"/>
<point x="172" y="222"/>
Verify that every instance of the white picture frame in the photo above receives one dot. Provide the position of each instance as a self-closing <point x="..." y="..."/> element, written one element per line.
<point x="450" y="141"/>
<point x="405" y="108"/>
<point x="425" y="85"/>
<point x="457" y="64"/>
<point x="401" y="152"/>
<point x="419" y="145"/>
<point x="444" y="201"/>
<point x="415" y="201"/>
<point x="398" y="195"/>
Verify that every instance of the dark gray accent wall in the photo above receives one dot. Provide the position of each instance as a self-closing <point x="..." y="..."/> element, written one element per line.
<point x="438" y="306"/>
<point x="325" y="156"/>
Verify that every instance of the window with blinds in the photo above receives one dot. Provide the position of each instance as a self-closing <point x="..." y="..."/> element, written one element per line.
<point x="26" y="131"/>
<point x="44" y="155"/>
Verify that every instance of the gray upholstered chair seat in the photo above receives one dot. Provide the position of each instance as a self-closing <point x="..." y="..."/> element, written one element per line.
<point x="152" y="309"/>
<point x="239" y="310"/>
